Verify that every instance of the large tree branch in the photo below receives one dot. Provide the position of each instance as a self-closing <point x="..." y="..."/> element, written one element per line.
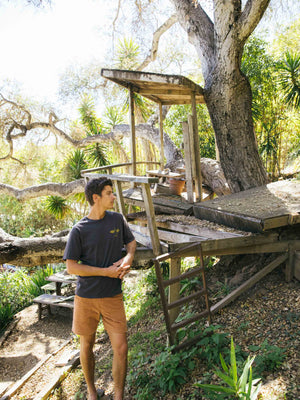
<point x="156" y="37"/>
<point x="30" y="252"/>
<point x="45" y="189"/>
<point x="200" y="30"/>
<point x="250" y="17"/>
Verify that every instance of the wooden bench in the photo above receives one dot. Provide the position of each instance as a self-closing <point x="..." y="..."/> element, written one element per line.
<point x="51" y="286"/>
<point x="47" y="300"/>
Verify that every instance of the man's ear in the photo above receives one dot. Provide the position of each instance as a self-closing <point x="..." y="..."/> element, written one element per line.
<point x="95" y="197"/>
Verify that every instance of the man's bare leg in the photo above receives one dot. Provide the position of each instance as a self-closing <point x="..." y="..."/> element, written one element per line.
<point x="119" y="367"/>
<point x="87" y="361"/>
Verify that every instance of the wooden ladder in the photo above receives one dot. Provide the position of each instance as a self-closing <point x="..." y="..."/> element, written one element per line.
<point x="174" y="302"/>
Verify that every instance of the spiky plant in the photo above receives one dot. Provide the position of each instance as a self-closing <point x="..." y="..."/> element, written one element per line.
<point x="289" y="79"/>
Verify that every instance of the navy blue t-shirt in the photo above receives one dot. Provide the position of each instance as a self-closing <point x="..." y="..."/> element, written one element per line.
<point x="98" y="243"/>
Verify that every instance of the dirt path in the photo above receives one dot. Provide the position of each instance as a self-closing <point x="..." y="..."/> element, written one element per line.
<point x="30" y="341"/>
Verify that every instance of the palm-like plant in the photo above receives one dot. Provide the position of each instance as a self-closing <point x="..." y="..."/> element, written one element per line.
<point x="75" y="164"/>
<point x="96" y="154"/>
<point x="243" y="387"/>
<point x="57" y="206"/>
<point x="127" y="54"/>
<point x="88" y="116"/>
<point x="289" y="79"/>
<point x="113" y="116"/>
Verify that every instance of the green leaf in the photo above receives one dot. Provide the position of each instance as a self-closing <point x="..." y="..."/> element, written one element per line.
<point x="215" y="388"/>
<point x="226" y="378"/>
<point x="223" y="363"/>
<point x="233" y="361"/>
<point x="244" y="377"/>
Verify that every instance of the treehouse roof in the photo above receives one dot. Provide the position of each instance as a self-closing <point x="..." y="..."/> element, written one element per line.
<point x="160" y="88"/>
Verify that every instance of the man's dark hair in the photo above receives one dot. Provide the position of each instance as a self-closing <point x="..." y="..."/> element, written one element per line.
<point x="96" y="186"/>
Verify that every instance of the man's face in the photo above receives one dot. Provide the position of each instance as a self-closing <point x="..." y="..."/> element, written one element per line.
<point x="107" y="197"/>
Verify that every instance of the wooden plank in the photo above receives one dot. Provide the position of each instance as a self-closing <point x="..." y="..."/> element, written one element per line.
<point x="198" y="177"/>
<point x="188" y="162"/>
<point x="13" y="390"/>
<point x="164" y="301"/>
<point x="132" y="131"/>
<point x="167" y="236"/>
<point x="196" y="230"/>
<point x="67" y="357"/>
<point x="162" y="204"/>
<point x="154" y="79"/>
<point x="53" y="300"/>
<point x="297" y="265"/>
<point x="58" y="377"/>
<point x="110" y="167"/>
<point x="188" y="274"/>
<point x="151" y="219"/>
<point x="213" y="247"/>
<point x="250" y="282"/>
<point x="277" y="247"/>
<point x="275" y="222"/>
<point x="243" y="222"/>
<point x="174" y="271"/>
<point x="123" y="177"/>
<point x="120" y="198"/>
<point x="289" y="268"/>
<point x="161" y="135"/>
<point x="187" y="299"/>
<point x="188" y="321"/>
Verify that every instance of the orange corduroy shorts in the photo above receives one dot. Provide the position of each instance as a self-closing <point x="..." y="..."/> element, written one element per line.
<point x="87" y="314"/>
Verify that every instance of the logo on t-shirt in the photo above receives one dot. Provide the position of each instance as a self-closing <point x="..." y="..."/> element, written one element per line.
<point x="115" y="232"/>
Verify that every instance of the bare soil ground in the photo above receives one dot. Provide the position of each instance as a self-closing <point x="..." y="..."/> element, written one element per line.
<point x="31" y="340"/>
<point x="270" y="310"/>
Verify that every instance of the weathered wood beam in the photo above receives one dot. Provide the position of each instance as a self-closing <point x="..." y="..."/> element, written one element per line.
<point x="250" y="282"/>
<point x="123" y="177"/>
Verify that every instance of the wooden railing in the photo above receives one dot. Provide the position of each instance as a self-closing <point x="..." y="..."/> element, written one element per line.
<point x="109" y="168"/>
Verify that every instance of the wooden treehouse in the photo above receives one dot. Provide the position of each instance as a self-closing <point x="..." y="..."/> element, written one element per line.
<point x="172" y="227"/>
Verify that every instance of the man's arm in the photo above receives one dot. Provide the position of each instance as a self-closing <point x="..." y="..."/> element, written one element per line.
<point x="74" y="268"/>
<point x="124" y="263"/>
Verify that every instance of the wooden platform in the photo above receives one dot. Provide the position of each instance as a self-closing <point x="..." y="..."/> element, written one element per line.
<point x="256" y="210"/>
<point x="163" y="203"/>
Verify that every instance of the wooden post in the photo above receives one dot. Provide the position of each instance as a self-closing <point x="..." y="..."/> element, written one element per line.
<point x="161" y="132"/>
<point x="120" y="198"/>
<point x="289" y="267"/>
<point x="132" y="131"/>
<point x="151" y="219"/>
<point x="188" y="162"/>
<point x="175" y="269"/>
<point x="198" y="176"/>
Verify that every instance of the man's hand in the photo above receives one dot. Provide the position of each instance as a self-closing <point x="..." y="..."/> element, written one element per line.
<point x="123" y="266"/>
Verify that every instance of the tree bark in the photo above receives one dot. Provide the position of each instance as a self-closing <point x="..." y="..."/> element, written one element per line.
<point x="227" y="91"/>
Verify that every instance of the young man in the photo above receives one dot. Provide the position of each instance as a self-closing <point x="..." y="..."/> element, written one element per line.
<point x="94" y="253"/>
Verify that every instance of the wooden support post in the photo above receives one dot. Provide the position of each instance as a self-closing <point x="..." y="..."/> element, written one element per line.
<point x="175" y="270"/>
<point x="132" y="131"/>
<point x="163" y="301"/>
<point x="198" y="176"/>
<point x="161" y="132"/>
<point x="289" y="267"/>
<point x="250" y="282"/>
<point x="151" y="219"/>
<point x="188" y="162"/>
<point x="120" y="198"/>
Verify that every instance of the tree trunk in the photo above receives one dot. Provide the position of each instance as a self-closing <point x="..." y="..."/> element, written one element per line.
<point x="229" y="103"/>
<point x="227" y="92"/>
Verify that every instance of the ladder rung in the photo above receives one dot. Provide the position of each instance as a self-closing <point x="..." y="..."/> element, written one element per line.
<point x="178" y="278"/>
<point x="186" y="299"/>
<point x="180" y="324"/>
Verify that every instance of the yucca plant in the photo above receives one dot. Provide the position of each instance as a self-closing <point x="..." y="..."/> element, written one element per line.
<point x="244" y="387"/>
<point x="57" y="206"/>
<point x="289" y="79"/>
